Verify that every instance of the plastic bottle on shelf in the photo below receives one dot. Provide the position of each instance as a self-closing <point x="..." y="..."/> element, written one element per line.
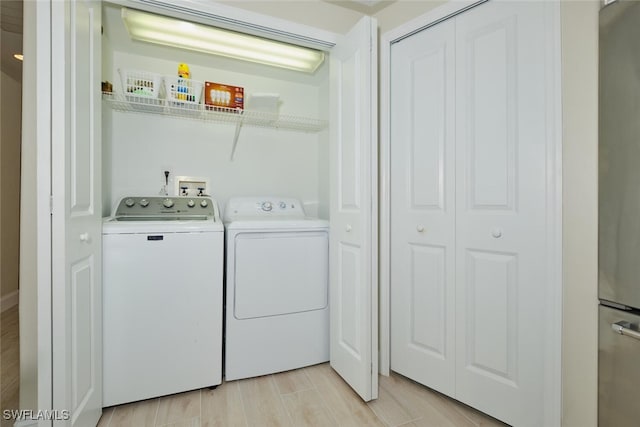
<point x="182" y="91"/>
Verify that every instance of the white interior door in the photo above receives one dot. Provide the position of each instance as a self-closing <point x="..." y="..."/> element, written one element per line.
<point x="352" y="245"/>
<point x="501" y="225"/>
<point x="423" y="207"/>
<point x="76" y="211"/>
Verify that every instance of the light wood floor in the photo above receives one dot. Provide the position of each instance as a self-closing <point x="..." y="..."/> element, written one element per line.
<point x="313" y="396"/>
<point x="9" y="362"/>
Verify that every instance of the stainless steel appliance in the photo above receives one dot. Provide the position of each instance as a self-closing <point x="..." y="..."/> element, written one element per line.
<point x="619" y="215"/>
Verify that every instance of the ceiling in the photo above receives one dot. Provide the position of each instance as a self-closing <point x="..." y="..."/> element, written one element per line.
<point x="368" y="7"/>
<point x="11" y="37"/>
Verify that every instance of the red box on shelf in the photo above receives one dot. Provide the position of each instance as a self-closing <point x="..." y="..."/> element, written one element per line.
<point x="221" y="96"/>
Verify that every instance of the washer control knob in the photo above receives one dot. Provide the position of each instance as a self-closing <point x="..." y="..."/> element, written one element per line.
<point x="267" y="206"/>
<point x="144" y="203"/>
<point x="167" y="203"/>
<point x="191" y="203"/>
<point x="282" y="205"/>
<point x="204" y="203"/>
<point x="129" y="203"/>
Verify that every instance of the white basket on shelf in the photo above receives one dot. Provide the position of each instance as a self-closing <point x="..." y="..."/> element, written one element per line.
<point x="183" y="91"/>
<point x="141" y="84"/>
<point x="142" y="89"/>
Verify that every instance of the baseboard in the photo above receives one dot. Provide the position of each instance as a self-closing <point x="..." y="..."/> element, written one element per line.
<point x="8" y="301"/>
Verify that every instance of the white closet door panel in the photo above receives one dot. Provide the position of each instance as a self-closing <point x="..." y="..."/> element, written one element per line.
<point x="352" y="251"/>
<point x="76" y="211"/>
<point x="423" y="207"/>
<point x="501" y="209"/>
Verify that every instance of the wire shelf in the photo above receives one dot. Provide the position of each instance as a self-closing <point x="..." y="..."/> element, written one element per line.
<point x="173" y="108"/>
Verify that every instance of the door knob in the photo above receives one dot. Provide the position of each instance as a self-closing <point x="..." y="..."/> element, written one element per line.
<point x="84" y="237"/>
<point x="420" y="228"/>
<point x="348" y="228"/>
<point x="496" y="233"/>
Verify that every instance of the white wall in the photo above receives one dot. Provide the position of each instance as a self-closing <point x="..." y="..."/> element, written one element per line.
<point x="107" y="126"/>
<point x="580" y="209"/>
<point x="267" y="161"/>
<point x="323" y="153"/>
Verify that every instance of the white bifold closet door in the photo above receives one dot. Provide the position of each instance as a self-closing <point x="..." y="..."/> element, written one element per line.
<point x="76" y="220"/>
<point x="423" y="207"/>
<point x="468" y="215"/>
<point x="353" y="255"/>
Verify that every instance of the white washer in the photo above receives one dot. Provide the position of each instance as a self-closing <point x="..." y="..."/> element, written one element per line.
<point x="163" y="264"/>
<point x="277" y="275"/>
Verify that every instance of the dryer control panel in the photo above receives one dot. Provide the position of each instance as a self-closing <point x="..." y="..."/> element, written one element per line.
<point x="264" y="207"/>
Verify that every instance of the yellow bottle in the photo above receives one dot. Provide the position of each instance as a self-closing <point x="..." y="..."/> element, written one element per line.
<point x="183" y="87"/>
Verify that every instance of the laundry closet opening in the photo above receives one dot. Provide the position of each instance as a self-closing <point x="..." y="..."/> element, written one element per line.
<point x="230" y="121"/>
<point x="282" y="149"/>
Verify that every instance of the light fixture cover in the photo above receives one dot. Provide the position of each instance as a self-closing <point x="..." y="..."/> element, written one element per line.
<point x="168" y="31"/>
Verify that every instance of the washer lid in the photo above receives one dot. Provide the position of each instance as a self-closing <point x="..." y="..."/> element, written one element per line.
<point x="112" y="225"/>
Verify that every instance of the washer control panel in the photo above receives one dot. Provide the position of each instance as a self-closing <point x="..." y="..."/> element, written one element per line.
<point x="165" y="207"/>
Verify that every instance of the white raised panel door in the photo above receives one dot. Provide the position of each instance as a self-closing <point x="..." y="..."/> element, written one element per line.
<point x="76" y="212"/>
<point x="353" y="235"/>
<point x="423" y="207"/>
<point x="501" y="225"/>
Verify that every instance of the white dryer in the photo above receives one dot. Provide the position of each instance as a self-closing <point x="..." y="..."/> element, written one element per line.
<point x="277" y="293"/>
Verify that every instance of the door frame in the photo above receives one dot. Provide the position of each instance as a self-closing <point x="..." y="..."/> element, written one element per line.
<point x="554" y="291"/>
<point x="37" y="167"/>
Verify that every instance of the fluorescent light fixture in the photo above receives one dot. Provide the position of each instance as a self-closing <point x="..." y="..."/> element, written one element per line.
<point x="18" y="56"/>
<point x="167" y="31"/>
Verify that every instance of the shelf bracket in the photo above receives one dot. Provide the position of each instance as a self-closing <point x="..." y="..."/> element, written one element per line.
<point x="236" y="136"/>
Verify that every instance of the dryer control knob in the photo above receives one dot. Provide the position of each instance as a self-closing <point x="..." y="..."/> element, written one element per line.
<point x="129" y="203"/>
<point x="191" y="203"/>
<point x="267" y="206"/>
<point x="282" y="205"/>
<point x="144" y="203"/>
<point x="167" y="203"/>
<point x="204" y="203"/>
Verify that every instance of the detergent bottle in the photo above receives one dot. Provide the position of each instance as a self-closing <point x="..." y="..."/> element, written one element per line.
<point x="182" y="91"/>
